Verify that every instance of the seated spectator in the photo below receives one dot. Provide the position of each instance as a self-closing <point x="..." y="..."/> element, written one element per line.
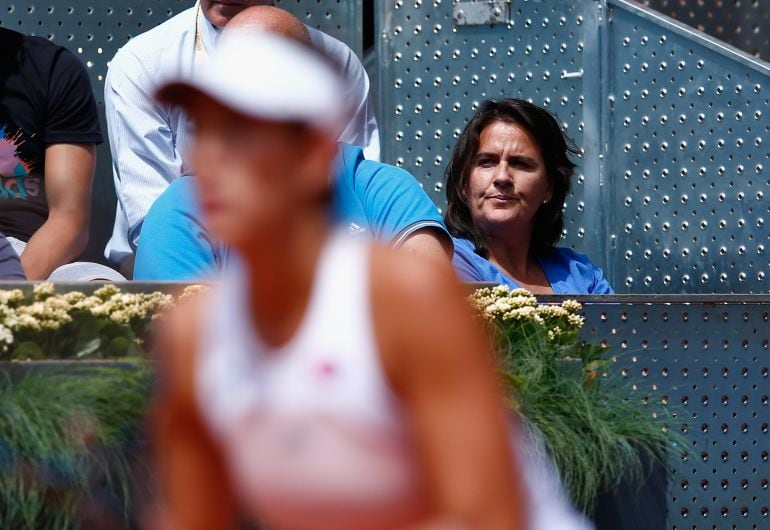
<point x="48" y="131"/>
<point x="370" y="198"/>
<point x="506" y="184"/>
<point x="149" y="139"/>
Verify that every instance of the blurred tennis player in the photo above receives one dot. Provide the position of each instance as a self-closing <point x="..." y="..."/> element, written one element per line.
<point x="327" y="384"/>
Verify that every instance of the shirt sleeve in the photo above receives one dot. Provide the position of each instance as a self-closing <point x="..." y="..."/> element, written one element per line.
<point x="174" y="243"/>
<point x="362" y="129"/>
<point x="582" y="276"/>
<point x="464" y="262"/>
<point x="600" y="283"/>
<point x="144" y="156"/>
<point x="71" y="107"/>
<point x="394" y="203"/>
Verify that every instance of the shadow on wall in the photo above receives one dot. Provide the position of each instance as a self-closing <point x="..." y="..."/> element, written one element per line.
<point x="740" y="24"/>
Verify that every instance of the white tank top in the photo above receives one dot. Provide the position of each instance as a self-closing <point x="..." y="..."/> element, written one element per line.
<point x="312" y="434"/>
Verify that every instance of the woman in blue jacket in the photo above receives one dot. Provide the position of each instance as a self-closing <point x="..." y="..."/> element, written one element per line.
<point x="506" y="184"/>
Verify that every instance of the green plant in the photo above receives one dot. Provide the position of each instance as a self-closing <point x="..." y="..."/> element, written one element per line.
<point x="63" y="433"/>
<point x="592" y="424"/>
<point x="44" y="324"/>
<point x="66" y="429"/>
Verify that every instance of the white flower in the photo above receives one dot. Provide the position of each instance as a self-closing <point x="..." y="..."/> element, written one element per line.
<point x="6" y="338"/>
<point x="192" y="290"/>
<point x="73" y="297"/>
<point x="121" y="317"/>
<point x="11" y="298"/>
<point x="576" y="321"/>
<point x="16" y="321"/>
<point x="43" y="290"/>
<point x="106" y="291"/>
<point x="572" y="306"/>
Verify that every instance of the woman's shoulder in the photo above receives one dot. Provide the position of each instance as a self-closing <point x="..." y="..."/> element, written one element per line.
<point x="469" y="266"/>
<point x="569" y="255"/>
<point x="571" y="272"/>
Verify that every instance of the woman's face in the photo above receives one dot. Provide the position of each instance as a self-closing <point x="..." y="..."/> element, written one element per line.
<point x="508" y="180"/>
<point x="253" y="176"/>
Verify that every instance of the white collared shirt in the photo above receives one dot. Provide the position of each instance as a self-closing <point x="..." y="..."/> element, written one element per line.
<point x="148" y="140"/>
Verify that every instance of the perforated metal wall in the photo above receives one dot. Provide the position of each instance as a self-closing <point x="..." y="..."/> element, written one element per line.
<point x="95" y="31"/>
<point x="741" y="23"/>
<point x="688" y="160"/>
<point x="339" y="18"/>
<point x="673" y="126"/>
<point x="434" y="74"/>
<point x="710" y="364"/>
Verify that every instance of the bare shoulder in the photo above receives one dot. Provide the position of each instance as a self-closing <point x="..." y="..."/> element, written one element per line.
<point x="421" y="316"/>
<point x="177" y="324"/>
<point x="399" y="276"/>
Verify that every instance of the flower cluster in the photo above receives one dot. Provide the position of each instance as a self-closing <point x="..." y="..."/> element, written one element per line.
<point x="567" y="390"/>
<point x="191" y="291"/>
<point x="121" y="308"/>
<point x="38" y="317"/>
<point x="503" y="306"/>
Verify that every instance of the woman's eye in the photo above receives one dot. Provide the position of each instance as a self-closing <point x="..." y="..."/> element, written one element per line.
<point x="486" y="162"/>
<point x="525" y="165"/>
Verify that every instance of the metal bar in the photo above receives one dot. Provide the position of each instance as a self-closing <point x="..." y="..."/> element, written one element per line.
<point x="698" y="37"/>
<point x="656" y="299"/>
<point x="596" y="128"/>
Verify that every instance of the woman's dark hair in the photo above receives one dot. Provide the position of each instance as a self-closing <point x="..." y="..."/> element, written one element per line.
<point x="554" y="148"/>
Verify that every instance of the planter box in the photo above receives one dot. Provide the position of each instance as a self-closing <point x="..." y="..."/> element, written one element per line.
<point x="18" y="369"/>
<point x="635" y="507"/>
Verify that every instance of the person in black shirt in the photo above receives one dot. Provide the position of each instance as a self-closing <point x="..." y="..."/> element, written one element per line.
<point x="48" y="131"/>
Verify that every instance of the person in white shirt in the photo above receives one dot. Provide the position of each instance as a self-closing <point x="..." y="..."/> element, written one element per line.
<point x="148" y="139"/>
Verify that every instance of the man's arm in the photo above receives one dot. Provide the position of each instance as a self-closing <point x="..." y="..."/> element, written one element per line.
<point x="430" y="243"/>
<point x="142" y="144"/>
<point x="69" y="173"/>
<point x="399" y="210"/>
<point x="175" y="244"/>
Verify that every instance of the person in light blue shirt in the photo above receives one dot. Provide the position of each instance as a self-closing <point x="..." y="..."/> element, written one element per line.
<point x="149" y="140"/>
<point x="369" y="199"/>
<point x="506" y="184"/>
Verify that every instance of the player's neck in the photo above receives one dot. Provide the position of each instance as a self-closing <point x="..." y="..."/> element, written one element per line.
<point x="281" y="274"/>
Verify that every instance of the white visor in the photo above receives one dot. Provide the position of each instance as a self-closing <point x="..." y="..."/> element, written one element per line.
<point x="267" y="76"/>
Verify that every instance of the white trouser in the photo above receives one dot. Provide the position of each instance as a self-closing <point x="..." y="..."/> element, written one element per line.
<point x="79" y="271"/>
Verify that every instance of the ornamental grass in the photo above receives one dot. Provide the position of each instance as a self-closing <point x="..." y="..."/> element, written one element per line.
<point x="70" y="432"/>
<point x="592" y="424"/>
<point x="67" y="438"/>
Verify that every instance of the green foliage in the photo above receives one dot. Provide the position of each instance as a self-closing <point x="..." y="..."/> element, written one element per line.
<point x="107" y="324"/>
<point x="59" y="428"/>
<point x="64" y="426"/>
<point x="593" y="425"/>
